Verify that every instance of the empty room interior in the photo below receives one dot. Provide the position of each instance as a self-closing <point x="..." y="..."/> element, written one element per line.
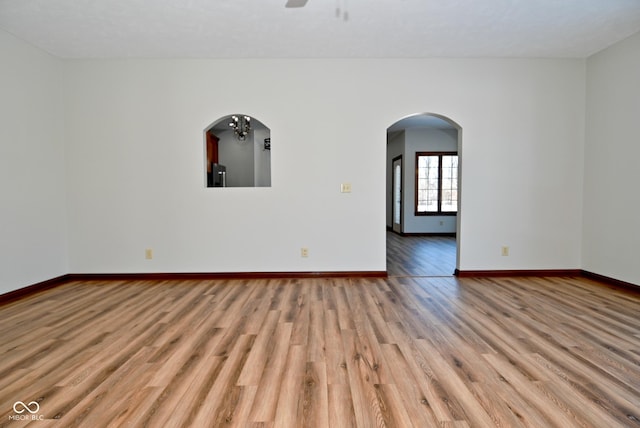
<point x="327" y="214"/>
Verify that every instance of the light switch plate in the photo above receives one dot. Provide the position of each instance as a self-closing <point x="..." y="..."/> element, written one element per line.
<point x="345" y="188"/>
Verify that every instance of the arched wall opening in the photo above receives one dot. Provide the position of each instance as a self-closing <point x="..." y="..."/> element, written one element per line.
<point x="237" y="152"/>
<point x="422" y="148"/>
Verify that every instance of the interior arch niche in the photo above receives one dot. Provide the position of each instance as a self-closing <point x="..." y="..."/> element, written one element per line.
<point x="409" y="136"/>
<point x="237" y="152"/>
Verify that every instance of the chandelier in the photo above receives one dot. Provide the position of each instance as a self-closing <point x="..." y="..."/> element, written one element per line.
<point x="241" y="126"/>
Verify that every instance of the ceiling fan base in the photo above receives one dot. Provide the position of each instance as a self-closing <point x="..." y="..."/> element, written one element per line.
<point x="295" y="3"/>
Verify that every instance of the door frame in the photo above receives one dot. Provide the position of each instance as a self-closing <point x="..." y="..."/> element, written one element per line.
<point x="397" y="227"/>
<point x="460" y="168"/>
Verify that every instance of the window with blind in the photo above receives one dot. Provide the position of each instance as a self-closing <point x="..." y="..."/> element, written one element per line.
<point x="436" y="183"/>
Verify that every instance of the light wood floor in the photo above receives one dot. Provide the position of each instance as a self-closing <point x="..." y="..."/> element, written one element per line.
<point x="420" y="255"/>
<point x="396" y="352"/>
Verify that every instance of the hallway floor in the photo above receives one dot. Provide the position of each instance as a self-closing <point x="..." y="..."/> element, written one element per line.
<point x="420" y="255"/>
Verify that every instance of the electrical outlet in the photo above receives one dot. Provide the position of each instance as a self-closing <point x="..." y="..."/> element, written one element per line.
<point x="345" y="188"/>
<point x="148" y="254"/>
<point x="505" y="251"/>
<point x="304" y="252"/>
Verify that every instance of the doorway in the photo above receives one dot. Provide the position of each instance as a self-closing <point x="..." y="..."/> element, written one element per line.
<point x="397" y="194"/>
<point x="422" y="241"/>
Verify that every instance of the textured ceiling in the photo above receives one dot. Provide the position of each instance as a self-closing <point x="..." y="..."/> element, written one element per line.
<point x="321" y="29"/>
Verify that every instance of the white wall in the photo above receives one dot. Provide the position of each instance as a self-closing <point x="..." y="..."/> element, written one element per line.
<point x="135" y="161"/>
<point x="424" y="140"/>
<point x="238" y="157"/>
<point x="33" y="244"/>
<point x="262" y="158"/>
<point x="612" y="176"/>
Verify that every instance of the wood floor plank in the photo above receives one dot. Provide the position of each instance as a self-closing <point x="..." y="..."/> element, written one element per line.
<point x="417" y="407"/>
<point x="534" y="413"/>
<point x="336" y="359"/>
<point x="106" y="401"/>
<point x="267" y="394"/>
<point x="314" y="406"/>
<point x="253" y="369"/>
<point x="181" y="398"/>
<point x="316" y="343"/>
<point x="342" y="352"/>
<point x="464" y="404"/>
<point x="290" y="393"/>
<point x="214" y="404"/>
<point x="365" y="400"/>
<point x="340" y="406"/>
<point x="433" y="394"/>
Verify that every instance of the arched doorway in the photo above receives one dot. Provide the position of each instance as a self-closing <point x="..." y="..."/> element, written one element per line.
<point x="423" y="208"/>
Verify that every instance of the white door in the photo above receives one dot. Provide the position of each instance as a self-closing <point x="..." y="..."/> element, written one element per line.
<point x="397" y="194"/>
